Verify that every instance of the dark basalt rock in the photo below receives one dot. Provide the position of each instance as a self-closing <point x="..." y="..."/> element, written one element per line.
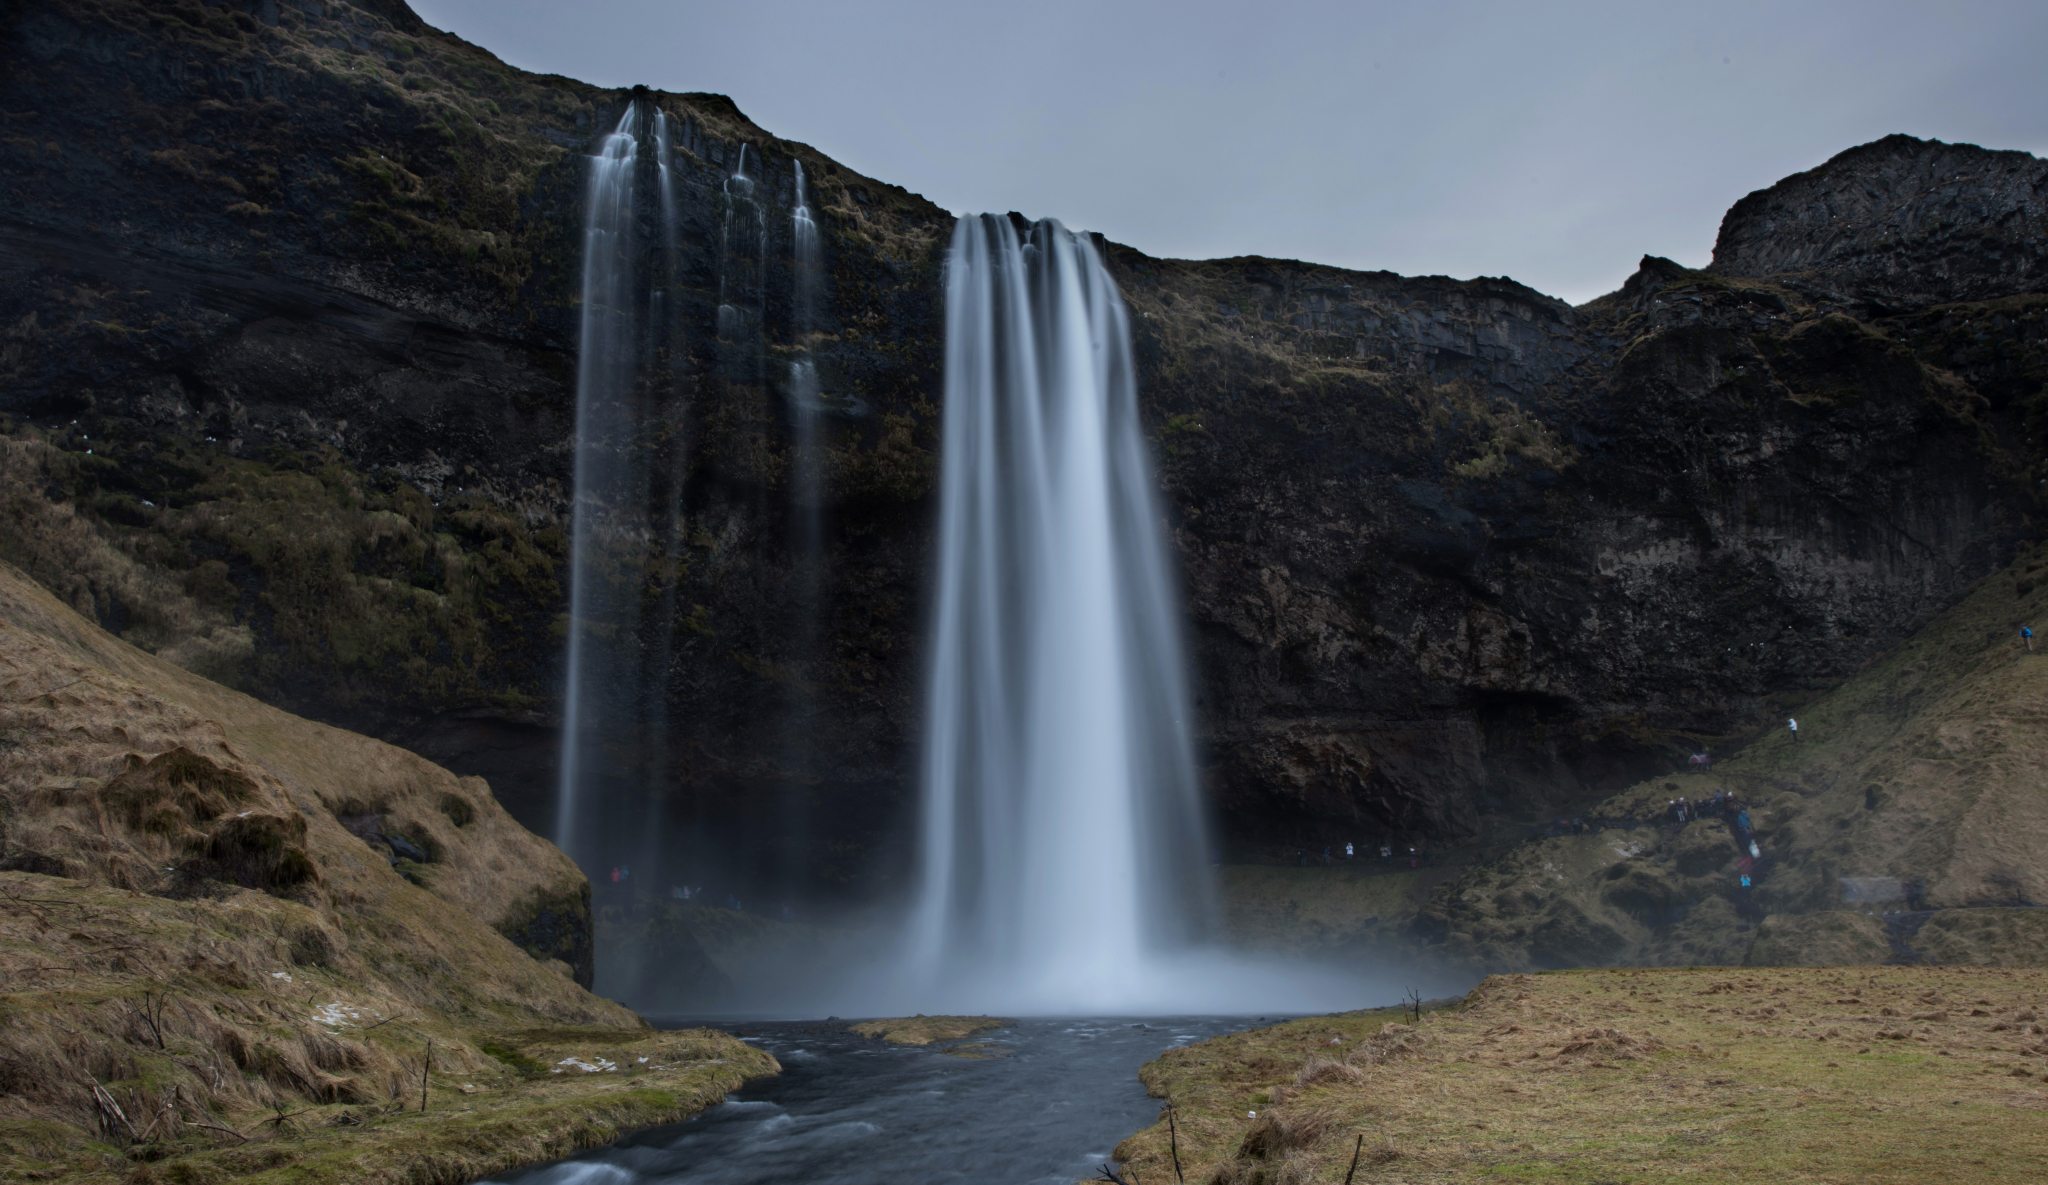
<point x="287" y="334"/>
<point x="1899" y="224"/>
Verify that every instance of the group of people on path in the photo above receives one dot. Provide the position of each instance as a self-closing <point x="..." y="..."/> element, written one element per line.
<point x="1417" y="857"/>
<point x="1723" y="805"/>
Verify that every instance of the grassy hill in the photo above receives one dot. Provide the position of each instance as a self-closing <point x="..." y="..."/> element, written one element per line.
<point x="241" y="944"/>
<point x="1922" y="775"/>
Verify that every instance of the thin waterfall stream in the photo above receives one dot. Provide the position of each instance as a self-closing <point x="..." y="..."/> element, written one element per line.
<point x="606" y="351"/>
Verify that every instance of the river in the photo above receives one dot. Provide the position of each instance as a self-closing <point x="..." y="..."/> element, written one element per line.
<point x="1048" y="1106"/>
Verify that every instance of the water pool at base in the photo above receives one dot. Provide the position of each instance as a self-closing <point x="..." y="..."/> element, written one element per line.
<point x="847" y="1110"/>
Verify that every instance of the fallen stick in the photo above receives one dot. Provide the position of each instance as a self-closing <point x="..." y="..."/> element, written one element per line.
<point x="111" y="1109"/>
<point x="1360" y="1147"/>
<point x="283" y="1117"/>
<point x="215" y="1127"/>
<point x="161" y="1112"/>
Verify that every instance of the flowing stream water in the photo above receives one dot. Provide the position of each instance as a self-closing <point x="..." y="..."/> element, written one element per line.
<point x="847" y="1110"/>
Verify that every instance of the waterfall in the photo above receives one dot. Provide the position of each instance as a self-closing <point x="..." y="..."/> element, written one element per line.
<point x="739" y="204"/>
<point x="1063" y="841"/>
<point x="806" y="267"/>
<point x="806" y="257"/>
<point x="604" y="377"/>
<point x="667" y="352"/>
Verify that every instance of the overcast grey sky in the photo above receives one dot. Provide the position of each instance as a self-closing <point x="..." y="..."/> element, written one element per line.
<point x="1555" y="143"/>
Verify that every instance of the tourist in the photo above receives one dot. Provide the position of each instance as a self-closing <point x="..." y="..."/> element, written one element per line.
<point x="1386" y="852"/>
<point x="2027" y="636"/>
<point x="1793" y="724"/>
<point x="1349" y="854"/>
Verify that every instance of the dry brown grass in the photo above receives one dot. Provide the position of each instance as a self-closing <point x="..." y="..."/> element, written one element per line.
<point x="198" y="951"/>
<point x="923" y="1030"/>
<point x="1865" y="1074"/>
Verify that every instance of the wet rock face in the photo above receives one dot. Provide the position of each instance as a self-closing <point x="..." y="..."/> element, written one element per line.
<point x="299" y="343"/>
<point x="1458" y="556"/>
<point x="1900" y="223"/>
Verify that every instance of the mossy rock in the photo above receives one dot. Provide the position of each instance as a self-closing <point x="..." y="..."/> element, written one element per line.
<point x="555" y="924"/>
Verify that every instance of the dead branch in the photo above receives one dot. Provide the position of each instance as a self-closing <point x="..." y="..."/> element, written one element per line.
<point x="151" y="1012"/>
<point x="111" y="1110"/>
<point x="54" y="690"/>
<point x="215" y="1127"/>
<point x="161" y="1112"/>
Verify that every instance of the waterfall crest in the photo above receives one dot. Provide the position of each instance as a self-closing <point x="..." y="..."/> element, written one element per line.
<point x="1063" y="840"/>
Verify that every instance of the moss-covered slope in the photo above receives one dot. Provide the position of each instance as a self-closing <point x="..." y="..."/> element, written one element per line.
<point x="235" y="940"/>
<point x="1913" y="787"/>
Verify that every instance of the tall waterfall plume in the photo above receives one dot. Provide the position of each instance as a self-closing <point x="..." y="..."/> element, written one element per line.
<point x="1063" y="843"/>
<point x="605" y="358"/>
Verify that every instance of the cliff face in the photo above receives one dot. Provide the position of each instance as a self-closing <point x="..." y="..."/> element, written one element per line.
<point x="287" y="330"/>
<point x="1460" y="554"/>
<point x="290" y="306"/>
<point x="1899" y="224"/>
